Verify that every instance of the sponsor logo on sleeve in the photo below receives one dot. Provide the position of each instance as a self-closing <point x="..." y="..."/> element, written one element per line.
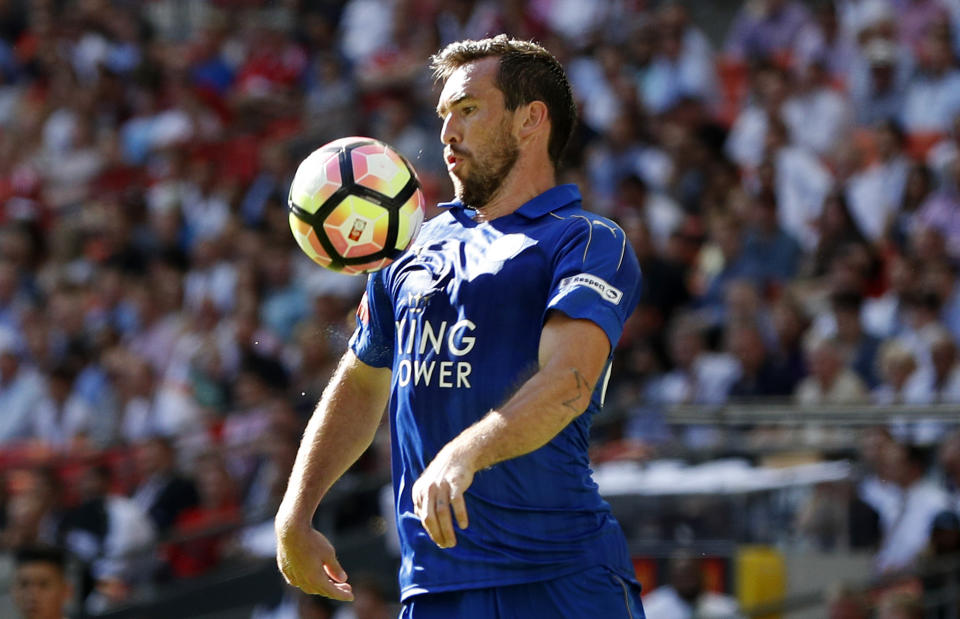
<point x="598" y="285"/>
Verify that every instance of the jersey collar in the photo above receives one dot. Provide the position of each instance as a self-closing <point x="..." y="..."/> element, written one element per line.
<point x="550" y="200"/>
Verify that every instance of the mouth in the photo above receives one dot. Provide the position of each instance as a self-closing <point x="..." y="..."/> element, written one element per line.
<point x="454" y="161"/>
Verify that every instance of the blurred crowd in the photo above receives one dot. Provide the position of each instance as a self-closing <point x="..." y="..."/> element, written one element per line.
<point x="791" y="188"/>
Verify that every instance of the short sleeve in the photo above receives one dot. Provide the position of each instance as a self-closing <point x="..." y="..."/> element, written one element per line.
<point x="372" y="342"/>
<point x="596" y="276"/>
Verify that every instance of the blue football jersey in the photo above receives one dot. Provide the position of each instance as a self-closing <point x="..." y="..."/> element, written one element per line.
<point x="458" y="319"/>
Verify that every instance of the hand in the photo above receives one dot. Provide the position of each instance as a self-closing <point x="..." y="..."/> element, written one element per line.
<point x="438" y="490"/>
<point x="307" y="559"/>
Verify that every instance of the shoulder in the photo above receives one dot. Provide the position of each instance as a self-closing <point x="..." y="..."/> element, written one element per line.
<point x="576" y="223"/>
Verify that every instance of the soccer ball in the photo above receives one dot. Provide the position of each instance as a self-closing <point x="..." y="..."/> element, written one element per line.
<point x="355" y="205"/>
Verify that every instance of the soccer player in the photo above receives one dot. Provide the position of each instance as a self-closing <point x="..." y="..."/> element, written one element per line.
<point x="491" y="339"/>
<point x="41" y="589"/>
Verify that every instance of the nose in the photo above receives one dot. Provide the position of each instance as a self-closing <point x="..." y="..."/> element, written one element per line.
<point x="450" y="134"/>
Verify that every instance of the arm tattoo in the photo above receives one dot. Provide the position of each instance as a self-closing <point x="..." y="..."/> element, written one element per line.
<point x="581" y="383"/>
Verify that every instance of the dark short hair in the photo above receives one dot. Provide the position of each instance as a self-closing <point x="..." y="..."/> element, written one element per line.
<point x="52" y="555"/>
<point x="527" y="73"/>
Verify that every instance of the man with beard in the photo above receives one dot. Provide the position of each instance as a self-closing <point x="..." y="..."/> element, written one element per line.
<point x="491" y="338"/>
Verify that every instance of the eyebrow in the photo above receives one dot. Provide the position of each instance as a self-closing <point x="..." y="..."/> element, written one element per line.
<point x="443" y="108"/>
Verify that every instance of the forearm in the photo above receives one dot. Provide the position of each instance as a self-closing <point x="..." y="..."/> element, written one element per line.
<point x="540" y="409"/>
<point x="341" y="428"/>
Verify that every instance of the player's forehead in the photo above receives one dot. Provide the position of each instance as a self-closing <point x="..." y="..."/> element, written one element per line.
<point x="474" y="80"/>
<point x="38" y="571"/>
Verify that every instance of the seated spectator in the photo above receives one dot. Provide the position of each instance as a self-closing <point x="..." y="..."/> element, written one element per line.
<point x="756" y="377"/>
<point x="938" y="382"/>
<point x="836" y="231"/>
<point x="943" y="278"/>
<point x="63" y="420"/>
<point x="875" y="193"/>
<point x="787" y="361"/>
<point x="829" y="382"/>
<point x="162" y="493"/>
<point x="943" y="548"/>
<point x="949" y="460"/>
<point x="897" y="365"/>
<point x="41" y="587"/>
<point x="206" y="527"/>
<point x="661" y="214"/>
<point x="858" y="348"/>
<point x="941" y="212"/>
<point x="886" y="315"/>
<point x="766" y="28"/>
<point x="683" y="68"/>
<point x="818" y="116"/>
<point x="800" y="181"/>
<point x="823" y="40"/>
<point x="915" y="194"/>
<point x="879" y="88"/>
<point x="933" y="96"/>
<point x="943" y="155"/>
<point x="907" y="533"/>
<point x="698" y="376"/>
<point x="22" y="390"/>
<point x="747" y="140"/>
<point x="770" y="255"/>
<point x="720" y="264"/>
<point x="686" y="596"/>
<point x="112" y="536"/>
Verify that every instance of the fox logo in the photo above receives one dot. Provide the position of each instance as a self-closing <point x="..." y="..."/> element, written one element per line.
<point x="358" y="227"/>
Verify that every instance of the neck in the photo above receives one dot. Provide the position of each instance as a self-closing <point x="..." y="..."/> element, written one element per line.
<point x="527" y="180"/>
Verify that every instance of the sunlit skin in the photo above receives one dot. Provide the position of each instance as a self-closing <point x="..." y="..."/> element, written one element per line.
<point x="480" y="135"/>
<point x="40" y="591"/>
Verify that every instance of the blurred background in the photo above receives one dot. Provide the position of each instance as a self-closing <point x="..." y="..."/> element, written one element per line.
<point x="780" y="436"/>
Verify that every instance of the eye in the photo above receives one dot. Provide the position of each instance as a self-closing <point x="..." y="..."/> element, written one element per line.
<point x="468" y="109"/>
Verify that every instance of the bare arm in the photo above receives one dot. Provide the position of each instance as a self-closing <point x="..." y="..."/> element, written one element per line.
<point x="341" y="428"/>
<point x="572" y="355"/>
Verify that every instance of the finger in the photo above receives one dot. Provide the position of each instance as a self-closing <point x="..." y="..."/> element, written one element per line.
<point x="416" y="493"/>
<point x="328" y="588"/>
<point x="429" y="517"/>
<point x="459" y="505"/>
<point x="444" y="520"/>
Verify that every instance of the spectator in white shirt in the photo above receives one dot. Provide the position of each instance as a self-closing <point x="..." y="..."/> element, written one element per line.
<point x="875" y="193"/>
<point x="822" y="40"/>
<point x="747" y="140"/>
<point x="939" y="382"/>
<point x="63" y="420"/>
<point x="818" y="116"/>
<point x="802" y="184"/>
<point x="829" y="382"/>
<point x="885" y="316"/>
<point x="896" y="366"/>
<point x="943" y="154"/>
<point x="699" y="376"/>
<point x="21" y="390"/>
<point x="933" y="97"/>
<point x="683" y="67"/>
<point x="685" y="597"/>
<point x="908" y="532"/>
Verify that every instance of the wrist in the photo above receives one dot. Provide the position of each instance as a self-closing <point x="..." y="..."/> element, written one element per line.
<point x="466" y="453"/>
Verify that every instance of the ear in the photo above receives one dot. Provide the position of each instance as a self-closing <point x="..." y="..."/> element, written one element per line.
<point x="533" y="117"/>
